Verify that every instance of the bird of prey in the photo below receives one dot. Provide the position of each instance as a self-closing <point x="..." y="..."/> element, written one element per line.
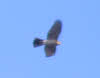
<point x="51" y="42"/>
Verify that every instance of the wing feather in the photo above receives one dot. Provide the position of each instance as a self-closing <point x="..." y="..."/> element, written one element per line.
<point x="54" y="31"/>
<point x="50" y="50"/>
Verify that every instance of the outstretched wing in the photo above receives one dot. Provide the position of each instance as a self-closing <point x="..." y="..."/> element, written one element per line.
<point x="54" y="31"/>
<point x="50" y="50"/>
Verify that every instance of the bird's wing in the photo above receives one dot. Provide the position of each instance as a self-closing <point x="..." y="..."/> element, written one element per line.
<point x="54" y="31"/>
<point x="50" y="50"/>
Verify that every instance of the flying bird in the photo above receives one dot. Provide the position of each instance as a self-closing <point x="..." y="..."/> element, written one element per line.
<point x="51" y="42"/>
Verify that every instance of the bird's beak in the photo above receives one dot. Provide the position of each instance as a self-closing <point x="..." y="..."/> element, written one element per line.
<point x="58" y="42"/>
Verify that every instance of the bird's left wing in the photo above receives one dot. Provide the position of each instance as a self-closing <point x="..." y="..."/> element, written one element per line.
<point x="50" y="50"/>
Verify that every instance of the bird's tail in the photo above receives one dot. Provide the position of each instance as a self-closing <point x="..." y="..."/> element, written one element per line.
<point x="37" y="42"/>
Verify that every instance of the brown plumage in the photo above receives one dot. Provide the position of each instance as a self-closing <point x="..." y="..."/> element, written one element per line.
<point x="51" y="42"/>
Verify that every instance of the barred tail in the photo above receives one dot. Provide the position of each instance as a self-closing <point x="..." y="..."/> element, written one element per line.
<point x="37" y="42"/>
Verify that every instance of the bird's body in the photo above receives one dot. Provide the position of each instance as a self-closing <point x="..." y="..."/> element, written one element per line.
<point x="51" y="42"/>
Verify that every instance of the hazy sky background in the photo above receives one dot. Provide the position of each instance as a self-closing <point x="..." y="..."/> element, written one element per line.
<point x="22" y="20"/>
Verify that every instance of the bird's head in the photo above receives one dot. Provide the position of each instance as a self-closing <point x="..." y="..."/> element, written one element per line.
<point x="58" y="43"/>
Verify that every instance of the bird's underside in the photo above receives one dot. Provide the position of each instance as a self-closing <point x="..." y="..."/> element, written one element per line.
<point x="53" y="35"/>
<point x="51" y="42"/>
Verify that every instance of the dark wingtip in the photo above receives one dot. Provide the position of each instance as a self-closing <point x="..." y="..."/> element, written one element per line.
<point x="50" y="55"/>
<point x="58" y="21"/>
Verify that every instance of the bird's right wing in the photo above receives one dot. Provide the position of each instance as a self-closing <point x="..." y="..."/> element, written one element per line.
<point x="50" y="50"/>
<point x="54" y="31"/>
